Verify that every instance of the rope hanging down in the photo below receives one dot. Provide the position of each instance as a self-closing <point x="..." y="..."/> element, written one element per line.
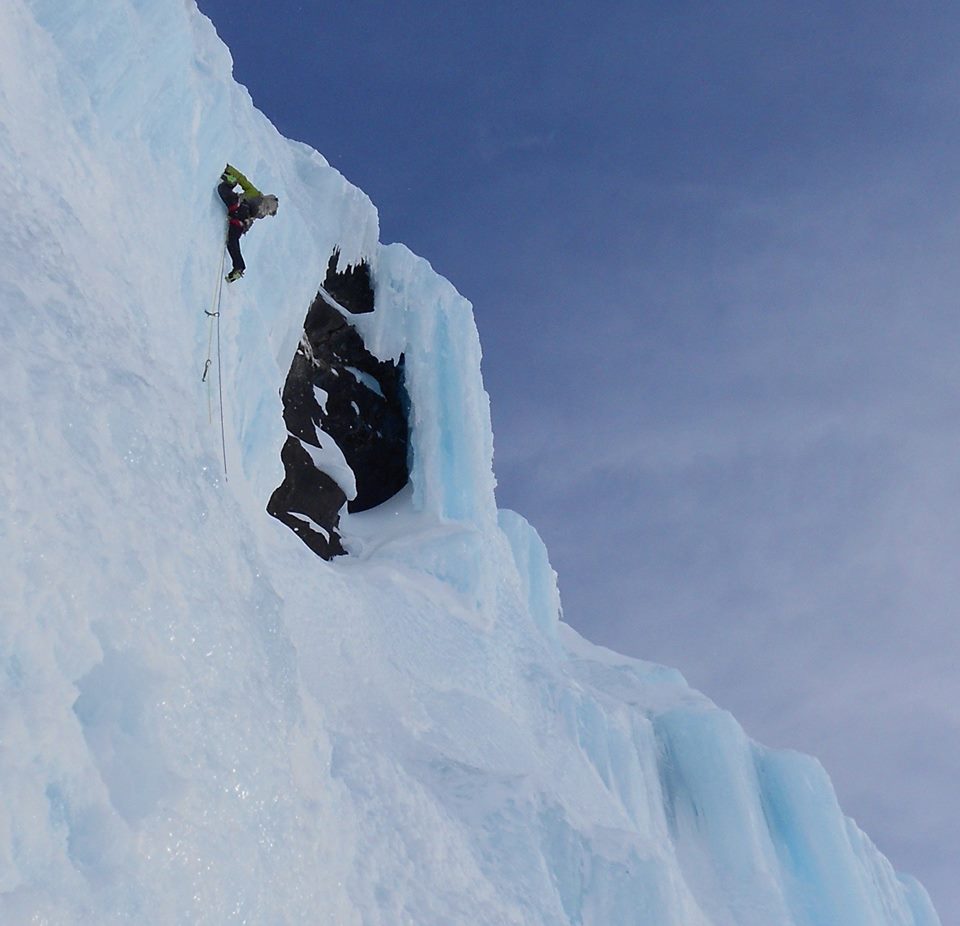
<point x="214" y="314"/>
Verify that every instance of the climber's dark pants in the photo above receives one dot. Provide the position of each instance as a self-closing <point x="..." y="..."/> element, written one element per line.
<point x="233" y="247"/>
<point x="230" y="200"/>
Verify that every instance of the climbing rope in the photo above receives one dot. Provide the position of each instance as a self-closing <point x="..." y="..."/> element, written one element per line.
<point x="214" y="313"/>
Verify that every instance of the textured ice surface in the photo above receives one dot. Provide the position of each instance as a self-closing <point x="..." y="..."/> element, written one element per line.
<point x="200" y="722"/>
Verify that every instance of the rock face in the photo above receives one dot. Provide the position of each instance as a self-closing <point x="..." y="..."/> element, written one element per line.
<point x="338" y="399"/>
<point x="351" y="287"/>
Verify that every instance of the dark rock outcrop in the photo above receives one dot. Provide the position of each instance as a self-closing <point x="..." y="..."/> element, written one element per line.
<point x="306" y="490"/>
<point x="337" y="390"/>
<point x="350" y="288"/>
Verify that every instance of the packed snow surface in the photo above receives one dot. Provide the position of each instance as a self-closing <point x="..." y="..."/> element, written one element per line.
<point x="200" y="721"/>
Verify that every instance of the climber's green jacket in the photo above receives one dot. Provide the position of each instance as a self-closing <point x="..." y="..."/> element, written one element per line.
<point x="231" y="174"/>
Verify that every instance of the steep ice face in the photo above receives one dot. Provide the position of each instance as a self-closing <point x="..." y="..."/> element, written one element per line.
<point x="201" y="721"/>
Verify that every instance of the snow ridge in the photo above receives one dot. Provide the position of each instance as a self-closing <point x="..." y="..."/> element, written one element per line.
<point x="201" y="722"/>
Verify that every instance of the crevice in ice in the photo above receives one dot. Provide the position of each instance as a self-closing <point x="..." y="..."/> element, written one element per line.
<point x="351" y="287"/>
<point x="346" y="417"/>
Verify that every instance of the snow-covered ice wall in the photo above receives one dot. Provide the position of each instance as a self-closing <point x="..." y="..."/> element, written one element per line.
<point x="201" y="722"/>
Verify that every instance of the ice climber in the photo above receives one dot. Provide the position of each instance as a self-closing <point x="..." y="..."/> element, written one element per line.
<point x="242" y="210"/>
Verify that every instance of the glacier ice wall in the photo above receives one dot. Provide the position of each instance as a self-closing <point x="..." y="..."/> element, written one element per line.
<point x="199" y="721"/>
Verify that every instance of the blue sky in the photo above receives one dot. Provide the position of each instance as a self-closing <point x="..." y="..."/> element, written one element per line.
<point x="713" y="254"/>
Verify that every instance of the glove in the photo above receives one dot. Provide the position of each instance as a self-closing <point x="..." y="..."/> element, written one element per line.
<point x="229" y="174"/>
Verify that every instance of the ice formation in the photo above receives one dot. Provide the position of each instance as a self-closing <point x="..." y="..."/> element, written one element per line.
<point x="202" y="722"/>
